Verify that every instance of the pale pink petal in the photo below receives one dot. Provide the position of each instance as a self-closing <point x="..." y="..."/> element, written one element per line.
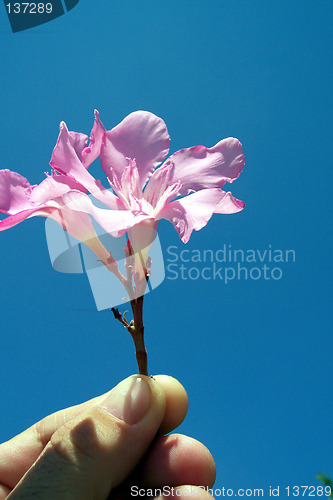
<point x="80" y="226"/>
<point x="79" y="142"/>
<point x="15" y="219"/>
<point x="204" y="168"/>
<point x="77" y="224"/>
<point x="53" y="187"/>
<point x="192" y="212"/>
<point x="113" y="221"/>
<point x="90" y="153"/>
<point x="15" y="192"/>
<point x="158" y="183"/>
<point x="141" y="136"/>
<point x="141" y="238"/>
<point x="65" y="160"/>
<point x="169" y="194"/>
<point x="43" y="211"/>
<point x="229" y="205"/>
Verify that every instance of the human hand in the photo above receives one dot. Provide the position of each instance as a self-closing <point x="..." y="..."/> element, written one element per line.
<point x="109" y="447"/>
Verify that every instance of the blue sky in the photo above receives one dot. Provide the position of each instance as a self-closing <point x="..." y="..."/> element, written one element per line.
<point x="255" y="355"/>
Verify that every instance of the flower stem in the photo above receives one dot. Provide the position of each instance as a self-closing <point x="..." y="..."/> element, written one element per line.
<point x="136" y="329"/>
<point x="137" y="332"/>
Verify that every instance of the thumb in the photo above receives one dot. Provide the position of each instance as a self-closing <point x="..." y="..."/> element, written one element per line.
<point x="96" y="451"/>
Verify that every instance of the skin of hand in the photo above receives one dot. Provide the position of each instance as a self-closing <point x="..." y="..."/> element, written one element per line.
<point x="111" y="447"/>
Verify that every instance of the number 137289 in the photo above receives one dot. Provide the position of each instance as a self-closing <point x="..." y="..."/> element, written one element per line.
<point x="29" y="8"/>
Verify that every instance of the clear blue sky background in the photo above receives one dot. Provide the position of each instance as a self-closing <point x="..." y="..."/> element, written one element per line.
<point x="254" y="355"/>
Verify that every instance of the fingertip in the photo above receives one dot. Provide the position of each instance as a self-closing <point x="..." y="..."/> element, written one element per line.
<point x="177" y="459"/>
<point x="176" y="400"/>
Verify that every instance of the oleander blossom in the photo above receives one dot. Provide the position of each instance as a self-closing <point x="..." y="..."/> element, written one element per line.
<point x="144" y="187"/>
<point x="185" y="189"/>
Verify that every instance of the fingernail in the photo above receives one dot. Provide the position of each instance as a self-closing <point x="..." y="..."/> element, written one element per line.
<point x="129" y="400"/>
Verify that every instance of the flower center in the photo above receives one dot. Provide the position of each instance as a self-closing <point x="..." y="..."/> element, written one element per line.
<point x="155" y="195"/>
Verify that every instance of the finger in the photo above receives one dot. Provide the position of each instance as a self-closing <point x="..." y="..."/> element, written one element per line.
<point x="176" y="403"/>
<point x="4" y="492"/>
<point x="177" y="459"/>
<point x="95" y="451"/>
<point x="18" y="454"/>
<point x="170" y="461"/>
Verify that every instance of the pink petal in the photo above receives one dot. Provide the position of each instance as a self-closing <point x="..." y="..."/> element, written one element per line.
<point x="15" y="219"/>
<point x="79" y="142"/>
<point x="80" y="226"/>
<point x="169" y="194"/>
<point x="141" y="136"/>
<point x="192" y="212"/>
<point x="90" y="153"/>
<point x="15" y="192"/>
<point x="158" y="183"/>
<point x="53" y="187"/>
<point x="44" y="211"/>
<point x="203" y="168"/>
<point x="64" y="160"/>
<point x="142" y="236"/>
<point x="229" y="204"/>
<point x="77" y="224"/>
<point x="113" y="221"/>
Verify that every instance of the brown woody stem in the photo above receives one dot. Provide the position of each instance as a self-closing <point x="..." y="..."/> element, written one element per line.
<point x="137" y="333"/>
<point x="136" y="329"/>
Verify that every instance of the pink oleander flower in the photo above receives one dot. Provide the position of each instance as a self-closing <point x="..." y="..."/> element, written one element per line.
<point x="185" y="189"/>
<point x="130" y="152"/>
